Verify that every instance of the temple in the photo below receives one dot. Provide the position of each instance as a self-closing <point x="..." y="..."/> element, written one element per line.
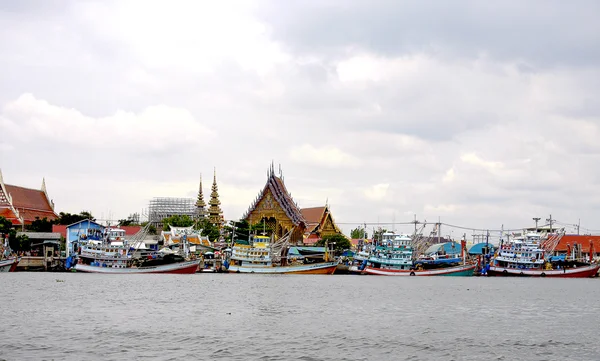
<point x="214" y="211"/>
<point x="319" y="223"/>
<point x="276" y="210"/>
<point x="200" y="204"/>
<point x="22" y="205"/>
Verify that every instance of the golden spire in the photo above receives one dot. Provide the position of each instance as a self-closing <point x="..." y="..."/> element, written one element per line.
<point x="200" y="204"/>
<point x="214" y="211"/>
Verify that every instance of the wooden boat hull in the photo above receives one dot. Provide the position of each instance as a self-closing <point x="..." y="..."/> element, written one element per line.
<point x="9" y="265"/>
<point x="462" y="271"/>
<point x="579" y="272"/>
<point x="313" y="269"/>
<point x="189" y="267"/>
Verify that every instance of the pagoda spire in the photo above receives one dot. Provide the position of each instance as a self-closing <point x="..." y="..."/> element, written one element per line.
<point x="214" y="211"/>
<point x="200" y="204"/>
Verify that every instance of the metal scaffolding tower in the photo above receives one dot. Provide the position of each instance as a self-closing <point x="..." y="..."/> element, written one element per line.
<point x="162" y="207"/>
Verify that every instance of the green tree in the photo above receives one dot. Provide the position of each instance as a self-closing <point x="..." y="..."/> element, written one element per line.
<point x="7" y="229"/>
<point x="69" y="218"/>
<point x="377" y="234"/>
<point x="177" y="220"/>
<point x="358" y="233"/>
<point x="132" y="220"/>
<point x="341" y="242"/>
<point x="208" y="229"/>
<point x="40" y="225"/>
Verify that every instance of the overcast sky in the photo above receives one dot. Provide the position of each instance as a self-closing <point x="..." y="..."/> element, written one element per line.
<point x="478" y="113"/>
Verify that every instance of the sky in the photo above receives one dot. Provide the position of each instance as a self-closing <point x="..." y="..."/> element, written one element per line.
<point x="477" y="114"/>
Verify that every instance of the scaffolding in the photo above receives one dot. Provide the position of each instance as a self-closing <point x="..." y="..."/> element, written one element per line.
<point x="161" y="208"/>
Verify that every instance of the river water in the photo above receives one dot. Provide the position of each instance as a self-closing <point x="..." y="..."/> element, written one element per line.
<point x="67" y="316"/>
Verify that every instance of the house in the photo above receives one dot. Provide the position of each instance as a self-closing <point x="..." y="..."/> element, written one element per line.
<point x="319" y="223"/>
<point x="85" y="229"/>
<point x="567" y="243"/>
<point x="22" y="205"/>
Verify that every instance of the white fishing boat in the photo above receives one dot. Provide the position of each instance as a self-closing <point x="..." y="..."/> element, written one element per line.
<point x="122" y="257"/>
<point x="260" y="255"/>
<point x="530" y="256"/>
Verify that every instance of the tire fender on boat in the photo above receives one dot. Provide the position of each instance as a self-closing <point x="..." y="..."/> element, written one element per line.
<point x="505" y="272"/>
<point x="543" y="274"/>
<point x="521" y="273"/>
<point x="412" y="273"/>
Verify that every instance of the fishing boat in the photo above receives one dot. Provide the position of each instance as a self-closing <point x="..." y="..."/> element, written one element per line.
<point x="394" y="257"/>
<point x="124" y="257"/>
<point x="529" y="256"/>
<point x="9" y="265"/>
<point x="461" y="270"/>
<point x="260" y="255"/>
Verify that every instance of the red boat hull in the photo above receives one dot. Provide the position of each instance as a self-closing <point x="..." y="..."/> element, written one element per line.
<point x="579" y="272"/>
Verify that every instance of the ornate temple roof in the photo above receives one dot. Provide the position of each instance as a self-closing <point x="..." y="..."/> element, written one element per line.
<point x="19" y="204"/>
<point x="277" y="187"/>
<point x="313" y="216"/>
<point x="316" y="217"/>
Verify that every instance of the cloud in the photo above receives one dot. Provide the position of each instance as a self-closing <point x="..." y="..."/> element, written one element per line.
<point x="377" y="192"/>
<point x="399" y="109"/>
<point x="328" y="156"/>
<point x="156" y="128"/>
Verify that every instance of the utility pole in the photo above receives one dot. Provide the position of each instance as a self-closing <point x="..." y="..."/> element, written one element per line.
<point x="550" y="220"/>
<point x="415" y="222"/>
<point x="578" y="225"/>
<point x="536" y="219"/>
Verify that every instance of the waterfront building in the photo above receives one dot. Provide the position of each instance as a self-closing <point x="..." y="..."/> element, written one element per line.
<point x="85" y="229"/>
<point x="275" y="208"/>
<point x="319" y="223"/>
<point x="22" y="205"/>
<point x="578" y="246"/>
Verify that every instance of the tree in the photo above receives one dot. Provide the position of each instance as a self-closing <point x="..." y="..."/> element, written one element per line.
<point x="377" y="234"/>
<point x="208" y="229"/>
<point x="16" y="243"/>
<point x="68" y="218"/>
<point x="358" y="233"/>
<point x="341" y="242"/>
<point x="177" y="220"/>
<point x="40" y="225"/>
<point x="132" y="220"/>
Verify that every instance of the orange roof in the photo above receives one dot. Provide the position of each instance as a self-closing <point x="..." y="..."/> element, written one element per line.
<point x="572" y="239"/>
<point x="8" y="214"/>
<point x="313" y="215"/>
<point x="31" y="203"/>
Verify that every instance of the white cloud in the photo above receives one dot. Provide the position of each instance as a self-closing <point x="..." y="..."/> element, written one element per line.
<point x="327" y="156"/>
<point x="377" y="192"/>
<point x="155" y="128"/>
<point x="474" y="159"/>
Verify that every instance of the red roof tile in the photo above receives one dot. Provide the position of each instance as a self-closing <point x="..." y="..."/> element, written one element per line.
<point x="313" y="215"/>
<point x="31" y="203"/>
<point x="572" y="239"/>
